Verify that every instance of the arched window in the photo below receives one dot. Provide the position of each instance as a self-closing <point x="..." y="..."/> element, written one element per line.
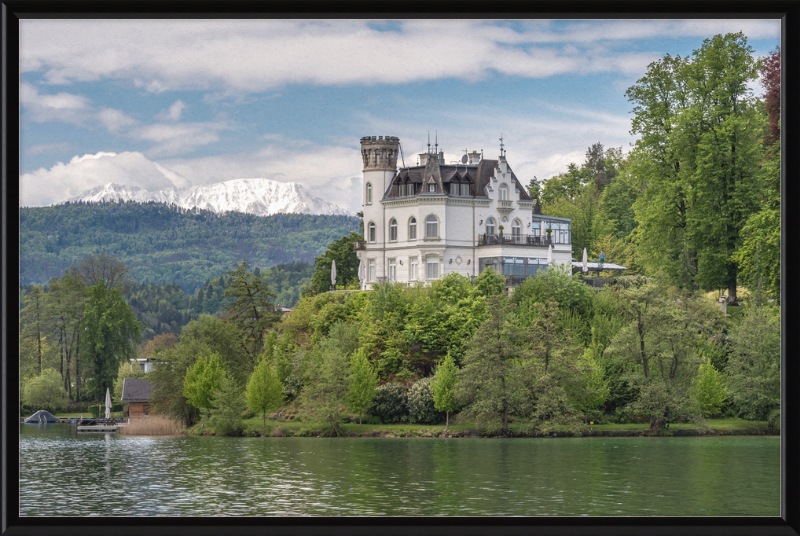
<point x="412" y="229"/>
<point x="369" y="193"/>
<point x="393" y="230"/>
<point x="431" y="227"/>
<point x="490" y="226"/>
<point x="515" y="230"/>
<point x="503" y="193"/>
<point x="372" y="232"/>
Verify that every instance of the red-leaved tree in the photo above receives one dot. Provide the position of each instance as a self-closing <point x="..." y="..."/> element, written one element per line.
<point x="771" y="80"/>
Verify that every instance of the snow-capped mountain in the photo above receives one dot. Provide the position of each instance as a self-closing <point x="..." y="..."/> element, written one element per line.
<point x="262" y="197"/>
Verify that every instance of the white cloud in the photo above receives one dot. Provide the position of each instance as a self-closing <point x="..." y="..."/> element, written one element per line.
<point x="173" y="112"/>
<point x="171" y="139"/>
<point x="47" y="186"/>
<point x="64" y="107"/>
<point x="48" y="148"/>
<point x="115" y="120"/>
<point x="244" y="56"/>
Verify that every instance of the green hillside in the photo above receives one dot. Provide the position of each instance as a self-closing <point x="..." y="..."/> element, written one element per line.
<point x="167" y="244"/>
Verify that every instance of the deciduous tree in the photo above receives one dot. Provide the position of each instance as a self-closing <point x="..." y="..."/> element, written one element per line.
<point x="363" y="381"/>
<point x="264" y="390"/>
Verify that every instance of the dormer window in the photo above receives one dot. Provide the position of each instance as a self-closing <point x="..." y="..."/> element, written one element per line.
<point x="431" y="187"/>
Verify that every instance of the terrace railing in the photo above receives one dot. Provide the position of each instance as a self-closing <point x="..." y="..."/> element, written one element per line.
<point x="360" y="245"/>
<point x="512" y="239"/>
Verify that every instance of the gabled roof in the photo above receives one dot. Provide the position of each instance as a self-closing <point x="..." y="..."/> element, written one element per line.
<point x="136" y="390"/>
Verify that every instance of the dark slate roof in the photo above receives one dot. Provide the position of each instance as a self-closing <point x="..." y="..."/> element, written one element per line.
<point x="136" y="390"/>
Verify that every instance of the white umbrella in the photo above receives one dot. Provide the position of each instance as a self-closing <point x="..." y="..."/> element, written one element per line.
<point x="585" y="261"/>
<point x="333" y="273"/>
<point x="108" y="403"/>
<point x="361" y="269"/>
<point x="549" y="254"/>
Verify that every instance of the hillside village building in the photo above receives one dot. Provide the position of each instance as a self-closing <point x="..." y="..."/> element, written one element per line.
<point x="422" y="222"/>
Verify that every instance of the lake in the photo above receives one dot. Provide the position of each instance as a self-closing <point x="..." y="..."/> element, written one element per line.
<point x="64" y="473"/>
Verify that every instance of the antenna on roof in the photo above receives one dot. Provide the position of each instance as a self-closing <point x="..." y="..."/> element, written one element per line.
<point x="501" y="144"/>
<point x="437" y="142"/>
<point x="429" y="142"/>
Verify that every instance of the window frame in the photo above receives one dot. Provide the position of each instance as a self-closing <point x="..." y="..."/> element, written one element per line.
<point x="372" y="233"/>
<point x="492" y="227"/>
<point x="371" y="271"/>
<point x="429" y="223"/>
<point x="412" y="228"/>
<point x="414" y="269"/>
<point x="369" y="193"/>
<point x="431" y="261"/>
<point x="393" y="230"/>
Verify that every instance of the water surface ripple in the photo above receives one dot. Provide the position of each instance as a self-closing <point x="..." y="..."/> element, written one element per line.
<point x="109" y="475"/>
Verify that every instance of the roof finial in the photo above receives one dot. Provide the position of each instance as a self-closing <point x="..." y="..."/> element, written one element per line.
<point x="437" y="142"/>
<point x="501" y="144"/>
<point x="429" y="142"/>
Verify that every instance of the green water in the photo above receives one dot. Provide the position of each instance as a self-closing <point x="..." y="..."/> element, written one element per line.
<point x="110" y="475"/>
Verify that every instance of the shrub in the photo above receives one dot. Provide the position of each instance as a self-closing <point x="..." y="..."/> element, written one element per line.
<point x="421" y="407"/>
<point x="389" y="403"/>
<point x="46" y="391"/>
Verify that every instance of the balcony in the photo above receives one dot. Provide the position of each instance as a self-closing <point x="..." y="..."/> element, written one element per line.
<point x="504" y="207"/>
<point x="513" y="240"/>
<point x="360" y="245"/>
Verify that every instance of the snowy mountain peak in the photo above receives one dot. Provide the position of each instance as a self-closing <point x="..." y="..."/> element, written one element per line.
<point x="261" y="197"/>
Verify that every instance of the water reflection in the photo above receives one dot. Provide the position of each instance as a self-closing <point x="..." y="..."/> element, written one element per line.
<point x="111" y="475"/>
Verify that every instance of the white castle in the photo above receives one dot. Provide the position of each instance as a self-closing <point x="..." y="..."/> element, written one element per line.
<point x="422" y="222"/>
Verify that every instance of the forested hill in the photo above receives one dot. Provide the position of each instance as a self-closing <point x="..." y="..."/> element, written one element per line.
<point x="163" y="243"/>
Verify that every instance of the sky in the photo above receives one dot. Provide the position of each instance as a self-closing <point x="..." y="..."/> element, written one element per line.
<point x="163" y="103"/>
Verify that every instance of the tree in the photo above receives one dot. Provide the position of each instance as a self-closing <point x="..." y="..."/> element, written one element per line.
<point x="202" y="381"/>
<point x="93" y="269"/>
<point x="444" y="388"/>
<point x="363" y="381"/>
<point x="32" y="319"/>
<point x="110" y="336"/>
<point x="46" y="391"/>
<point x="708" y="389"/>
<point x="490" y="385"/>
<point x="252" y="308"/>
<point x="771" y="81"/>
<point x="660" y="345"/>
<point x="754" y="365"/>
<point x="421" y="406"/>
<point x="64" y="307"/>
<point x="698" y="158"/>
<point x="343" y="252"/>
<point x="264" y="390"/>
<point x="325" y="395"/>
<point x="227" y="405"/>
<point x="599" y="172"/>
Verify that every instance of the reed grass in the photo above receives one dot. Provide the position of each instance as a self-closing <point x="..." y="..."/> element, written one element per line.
<point x="151" y="425"/>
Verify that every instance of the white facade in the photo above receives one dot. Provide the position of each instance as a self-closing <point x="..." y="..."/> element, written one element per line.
<point x="451" y="220"/>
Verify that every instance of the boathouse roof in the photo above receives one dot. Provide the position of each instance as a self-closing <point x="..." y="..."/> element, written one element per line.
<point x="136" y="390"/>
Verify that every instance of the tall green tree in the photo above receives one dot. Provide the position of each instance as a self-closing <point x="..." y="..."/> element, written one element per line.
<point x="252" y="308"/>
<point x="264" y="390"/>
<point x="65" y="304"/>
<point x="491" y="387"/>
<point x="343" y="252"/>
<point x="754" y="365"/>
<point x="708" y="389"/>
<point x="110" y="335"/>
<point x="444" y="388"/>
<point x="363" y="381"/>
<point x="325" y="396"/>
<point x="227" y="405"/>
<point x="202" y="381"/>
<point x="32" y="320"/>
<point x="698" y="158"/>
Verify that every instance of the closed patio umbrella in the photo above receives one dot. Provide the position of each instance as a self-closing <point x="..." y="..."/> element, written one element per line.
<point x="108" y="403"/>
<point x="549" y="254"/>
<point x="585" y="261"/>
<point x="361" y="275"/>
<point x="333" y="274"/>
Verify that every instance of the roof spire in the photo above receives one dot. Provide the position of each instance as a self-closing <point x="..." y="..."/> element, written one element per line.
<point x="429" y="142"/>
<point x="501" y="144"/>
<point x="437" y="142"/>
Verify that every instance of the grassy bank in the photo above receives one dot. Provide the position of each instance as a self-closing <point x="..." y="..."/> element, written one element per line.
<point x="253" y="428"/>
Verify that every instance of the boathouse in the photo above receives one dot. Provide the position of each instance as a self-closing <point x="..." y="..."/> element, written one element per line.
<point x="137" y="394"/>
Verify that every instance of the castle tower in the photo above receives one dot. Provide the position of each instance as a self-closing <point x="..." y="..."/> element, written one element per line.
<point x="379" y="154"/>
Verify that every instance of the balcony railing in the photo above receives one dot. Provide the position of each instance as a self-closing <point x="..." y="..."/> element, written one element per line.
<point x="360" y="245"/>
<point x="512" y="239"/>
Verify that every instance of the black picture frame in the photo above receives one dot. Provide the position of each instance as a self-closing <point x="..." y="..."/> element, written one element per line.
<point x="14" y="10"/>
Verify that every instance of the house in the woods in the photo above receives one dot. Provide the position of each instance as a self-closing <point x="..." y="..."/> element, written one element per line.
<point x="431" y="218"/>
<point x="136" y="394"/>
